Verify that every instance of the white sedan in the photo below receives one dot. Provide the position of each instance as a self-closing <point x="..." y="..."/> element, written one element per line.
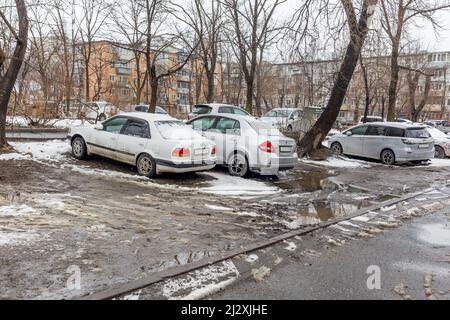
<point x="153" y="143"/>
<point x="246" y="144"/>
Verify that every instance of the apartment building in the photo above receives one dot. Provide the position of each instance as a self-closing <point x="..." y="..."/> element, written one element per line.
<point x="117" y="74"/>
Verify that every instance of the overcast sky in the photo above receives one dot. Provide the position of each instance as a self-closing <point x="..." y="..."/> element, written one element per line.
<point x="425" y="32"/>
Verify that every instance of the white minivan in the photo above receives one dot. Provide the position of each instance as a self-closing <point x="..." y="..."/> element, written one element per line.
<point x="389" y="142"/>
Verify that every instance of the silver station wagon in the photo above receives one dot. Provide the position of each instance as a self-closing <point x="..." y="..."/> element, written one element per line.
<point x="389" y="142"/>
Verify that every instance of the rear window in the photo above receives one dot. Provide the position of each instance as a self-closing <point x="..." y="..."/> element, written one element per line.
<point x="176" y="130"/>
<point x="241" y="112"/>
<point x="202" y="110"/>
<point x="265" y="129"/>
<point x="418" y="133"/>
<point x="226" y="110"/>
<point x="396" y="132"/>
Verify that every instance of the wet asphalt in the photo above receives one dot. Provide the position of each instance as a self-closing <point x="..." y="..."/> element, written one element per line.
<point x="413" y="260"/>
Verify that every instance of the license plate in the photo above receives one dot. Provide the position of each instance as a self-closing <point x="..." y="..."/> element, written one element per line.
<point x="201" y="152"/>
<point x="424" y="146"/>
<point x="285" y="149"/>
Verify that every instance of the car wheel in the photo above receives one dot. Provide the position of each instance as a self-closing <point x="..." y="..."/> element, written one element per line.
<point x="388" y="157"/>
<point x="146" y="166"/>
<point x="439" y="152"/>
<point x="79" y="149"/>
<point x="101" y="118"/>
<point x="336" y="147"/>
<point x="238" y="165"/>
<point x="290" y="129"/>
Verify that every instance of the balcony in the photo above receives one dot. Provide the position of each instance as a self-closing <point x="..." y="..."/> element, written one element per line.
<point x="123" y="71"/>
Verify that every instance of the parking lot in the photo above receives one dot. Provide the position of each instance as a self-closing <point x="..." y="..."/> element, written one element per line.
<point x="99" y="216"/>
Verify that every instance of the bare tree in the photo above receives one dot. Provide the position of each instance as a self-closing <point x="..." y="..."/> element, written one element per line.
<point x="205" y="19"/>
<point x="252" y="23"/>
<point x="10" y="68"/>
<point x="359" y="29"/>
<point x="129" y="20"/>
<point x="397" y="16"/>
<point x="92" y="17"/>
<point x="163" y="60"/>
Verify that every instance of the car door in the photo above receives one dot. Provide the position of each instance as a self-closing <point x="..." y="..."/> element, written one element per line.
<point x="133" y="140"/>
<point x="104" y="142"/>
<point x="353" y="142"/>
<point x="374" y="141"/>
<point x="225" y="133"/>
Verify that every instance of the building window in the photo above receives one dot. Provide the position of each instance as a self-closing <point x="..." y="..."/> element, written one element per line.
<point x="112" y="78"/>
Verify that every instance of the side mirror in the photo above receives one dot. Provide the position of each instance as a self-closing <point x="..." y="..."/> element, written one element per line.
<point x="348" y="134"/>
<point x="98" y="126"/>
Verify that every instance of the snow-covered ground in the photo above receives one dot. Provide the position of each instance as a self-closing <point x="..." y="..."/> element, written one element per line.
<point x="224" y="184"/>
<point x="348" y="163"/>
<point x="19" y="121"/>
<point x="55" y="150"/>
<point x="341" y="162"/>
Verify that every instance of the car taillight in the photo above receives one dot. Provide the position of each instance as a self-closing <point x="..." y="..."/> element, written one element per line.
<point x="408" y="142"/>
<point x="267" y="147"/>
<point x="214" y="150"/>
<point x="181" y="153"/>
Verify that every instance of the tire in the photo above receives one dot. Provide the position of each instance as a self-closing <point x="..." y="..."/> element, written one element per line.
<point x="238" y="165"/>
<point x="336" y="147"/>
<point x="388" y="157"/>
<point x="146" y="166"/>
<point x="290" y="129"/>
<point x="79" y="149"/>
<point x="101" y="118"/>
<point x="439" y="152"/>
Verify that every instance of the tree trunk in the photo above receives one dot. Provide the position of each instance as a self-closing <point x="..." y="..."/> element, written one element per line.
<point x="314" y="138"/>
<point x="154" y="96"/>
<point x="395" y="69"/>
<point x="8" y="80"/>
<point x="211" y="87"/>
<point x="249" y="102"/>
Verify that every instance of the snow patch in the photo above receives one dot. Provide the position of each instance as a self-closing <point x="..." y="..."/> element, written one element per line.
<point x="340" y="162"/>
<point x="227" y="185"/>
<point x="17" y="211"/>
<point x="291" y="246"/>
<point x="201" y="283"/>
<point x="218" y="208"/>
<point x="252" y="258"/>
<point x="55" y="150"/>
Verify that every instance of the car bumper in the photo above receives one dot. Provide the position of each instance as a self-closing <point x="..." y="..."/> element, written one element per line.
<point x="415" y="156"/>
<point x="275" y="165"/>
<point x="173" y="167"/>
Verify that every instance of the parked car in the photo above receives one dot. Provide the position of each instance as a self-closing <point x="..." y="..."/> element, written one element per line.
<point x="389" y="142"/>
<point x="441" y="143"/>
<point x="294" y="116"/>
<point x="214" y="108"/>
<point x="145" y="108"/>
<point x="371" y="119"/>
<point x="99" y="110"/>
<point x="278" y="117"/>
<point x="403" y="120"/>
<point x="246" y="144"/>
<point x="153" y="143"/>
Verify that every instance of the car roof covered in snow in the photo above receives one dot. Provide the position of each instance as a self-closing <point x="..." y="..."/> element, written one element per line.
<point x="148" y="116"/>
<point x="400" y="125"/>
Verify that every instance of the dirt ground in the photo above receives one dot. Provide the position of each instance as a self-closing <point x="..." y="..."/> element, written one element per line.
<point x="98" y="216"/>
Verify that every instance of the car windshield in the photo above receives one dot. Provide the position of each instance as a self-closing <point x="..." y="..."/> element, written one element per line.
<point x="265" y="129"/>
<point x="418" y="133"/>
<point x="437" y="134"/>
<point x="176" y="130"/>
<point x="285" y="113"/>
